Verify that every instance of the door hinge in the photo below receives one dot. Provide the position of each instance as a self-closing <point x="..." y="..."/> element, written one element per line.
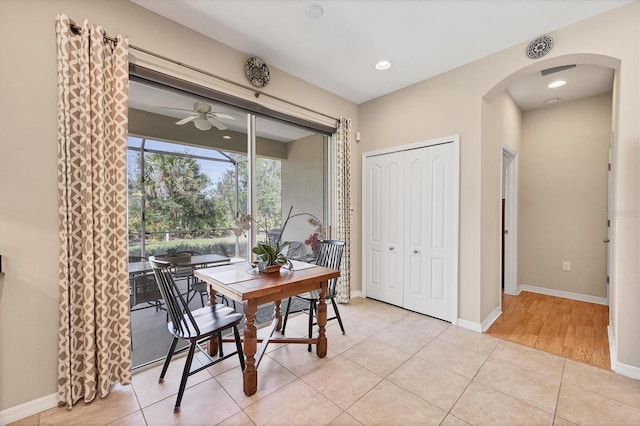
<point x="607" y="279"/>
<point x="608" y="223"/>
<point x="609" y="167"/>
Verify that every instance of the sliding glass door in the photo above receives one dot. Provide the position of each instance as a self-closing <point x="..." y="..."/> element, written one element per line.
<point x="189" y="178"/>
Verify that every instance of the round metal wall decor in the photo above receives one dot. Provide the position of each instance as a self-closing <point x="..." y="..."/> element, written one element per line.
<point x="257" y="72"/>
<point x="539" y="47"/>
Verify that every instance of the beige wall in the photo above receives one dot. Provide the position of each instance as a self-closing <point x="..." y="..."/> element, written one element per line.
<point x="501" y="124"/>
<point x="451" y="103"/>
<point x="28" y="152"/>
<point x="563" y="196"/>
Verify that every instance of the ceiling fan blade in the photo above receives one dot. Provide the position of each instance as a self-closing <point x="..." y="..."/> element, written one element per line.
<point x="177" y="109"/>
<point x="186" y="120"/>
<point x="217" y="123"/>
<point x="224" y="116"/>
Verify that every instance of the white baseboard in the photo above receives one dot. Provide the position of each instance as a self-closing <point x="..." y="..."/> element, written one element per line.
<point x="356" y="293"/>
<point x="628" y="370"/>
<point x="491" y="318"/>
<point x="470" y="325"/>
<point x="620" y="368"/>
<point x="565" y="294"/>
<point x="28" y="408"/>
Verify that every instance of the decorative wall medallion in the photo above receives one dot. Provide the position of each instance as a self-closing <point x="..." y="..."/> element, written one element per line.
<point x="257" y="72"/>
<point x="539" y="47"/>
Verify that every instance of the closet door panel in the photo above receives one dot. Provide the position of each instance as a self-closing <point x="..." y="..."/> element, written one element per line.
<point x="392" y="230"/>
<point x="440" y="244"/>
<point x="384" y="274"/>
<point x="373" y="229"/>
<point x="416" y="220"/>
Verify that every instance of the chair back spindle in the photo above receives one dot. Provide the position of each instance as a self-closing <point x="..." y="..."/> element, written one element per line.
<point x="330" y="256"/>
<point x="177" y="307"/>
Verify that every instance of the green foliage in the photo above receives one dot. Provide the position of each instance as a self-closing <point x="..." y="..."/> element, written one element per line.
<point x="271" y="255"/>
<point x="179" y="196"/>
<point x="268" y="175"/>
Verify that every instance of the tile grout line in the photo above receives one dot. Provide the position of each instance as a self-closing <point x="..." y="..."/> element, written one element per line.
<point x="555" y="411"/>
<point x="469" y="384"/>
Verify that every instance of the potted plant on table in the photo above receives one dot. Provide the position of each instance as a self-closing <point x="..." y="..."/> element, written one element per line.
<point x="270" y="254"/>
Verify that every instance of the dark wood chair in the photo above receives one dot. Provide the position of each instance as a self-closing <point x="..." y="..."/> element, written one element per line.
<point x="195" y="326"/>
<point x="329" y="256"/>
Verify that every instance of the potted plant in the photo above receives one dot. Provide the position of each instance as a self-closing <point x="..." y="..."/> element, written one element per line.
<point x="270" y="254"/>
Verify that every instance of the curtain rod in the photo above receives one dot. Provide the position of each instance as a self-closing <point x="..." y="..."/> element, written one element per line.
<point x="257" y="93"/>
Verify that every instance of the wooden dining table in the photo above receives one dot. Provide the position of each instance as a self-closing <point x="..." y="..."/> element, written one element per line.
<point x="243" y="283"/>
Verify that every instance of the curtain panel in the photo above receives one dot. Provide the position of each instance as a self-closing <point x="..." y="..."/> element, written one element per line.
<point x="94" y="349"/>
<point x="345" y="213"/>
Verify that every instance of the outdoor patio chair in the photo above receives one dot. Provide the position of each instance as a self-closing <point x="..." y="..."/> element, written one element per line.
<point x="143" y="289"/>
<point x="195" y="326"/>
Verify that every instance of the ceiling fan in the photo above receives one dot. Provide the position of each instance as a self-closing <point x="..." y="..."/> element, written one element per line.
<point x="203" y="117"/>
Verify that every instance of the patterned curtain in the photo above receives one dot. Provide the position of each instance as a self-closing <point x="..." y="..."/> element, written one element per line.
<point x="95" y="344"/>
<point x="343" y="166"/>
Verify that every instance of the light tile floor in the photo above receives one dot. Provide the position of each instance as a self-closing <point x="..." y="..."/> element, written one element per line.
<point x="392" y="367"/>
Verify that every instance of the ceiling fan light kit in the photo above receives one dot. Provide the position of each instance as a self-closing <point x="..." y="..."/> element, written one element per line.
<point x="203" y="117"/>
<point x="202" y="123"/>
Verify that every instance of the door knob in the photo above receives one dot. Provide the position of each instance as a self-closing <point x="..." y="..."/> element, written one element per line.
<point x="415" y="252"/>
<point x="390" y="248"/>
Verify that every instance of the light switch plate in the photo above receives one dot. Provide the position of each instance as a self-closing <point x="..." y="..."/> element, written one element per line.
<point x="566" y="265"/>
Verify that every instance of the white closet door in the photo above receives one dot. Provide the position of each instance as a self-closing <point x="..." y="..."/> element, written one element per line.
<point x="384" y="227"/>
<point x="440" y="247"/>
<point x="417" y="217"/>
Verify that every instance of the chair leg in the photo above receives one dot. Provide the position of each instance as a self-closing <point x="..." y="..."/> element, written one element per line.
<point x="167" y="360"/>
<point x="185" y="375"/>
<point x="286" y="316"/>
<point x="312" y="306"/>
<point x="220" y="353"/>
<point x="335" y="308"/>
<point x="201" y="299"/>
<point x="239" y="346"/>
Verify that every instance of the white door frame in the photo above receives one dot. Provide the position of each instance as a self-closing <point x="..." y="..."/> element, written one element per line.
<point x="455" y="141"/>
<point x="510" y="190"/>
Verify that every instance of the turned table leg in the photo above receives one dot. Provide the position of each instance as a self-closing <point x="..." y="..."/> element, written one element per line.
<point x="250" y="374"/>
<point x="277" y="315"/>
<point x="321" y="347"/>
<point x="212" y="344"/>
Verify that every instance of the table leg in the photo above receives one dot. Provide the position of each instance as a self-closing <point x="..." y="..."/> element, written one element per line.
<point x="321" y="347"/>
<point x="212" y="295"/>
<point x="277" y="315"/>
<point x="250" y="374"/>
<point x="212" y="344"/>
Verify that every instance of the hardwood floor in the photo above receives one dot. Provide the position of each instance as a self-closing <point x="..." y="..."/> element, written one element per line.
<point x="576" y="330"/>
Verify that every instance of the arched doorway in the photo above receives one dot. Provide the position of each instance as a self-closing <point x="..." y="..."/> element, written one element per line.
<point x="543" y="244"/>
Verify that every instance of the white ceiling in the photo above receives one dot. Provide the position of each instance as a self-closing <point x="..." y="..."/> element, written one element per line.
<point x="531" y="92"/>
<point x="338" y="51"/>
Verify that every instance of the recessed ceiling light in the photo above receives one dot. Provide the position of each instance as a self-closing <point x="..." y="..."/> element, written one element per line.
<point x="383" y="65"/>
<point x="556" y="83"/>
<point x="314" y="11"/>
<point x="552" y="101"/>
<point x="226" y="137"/>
